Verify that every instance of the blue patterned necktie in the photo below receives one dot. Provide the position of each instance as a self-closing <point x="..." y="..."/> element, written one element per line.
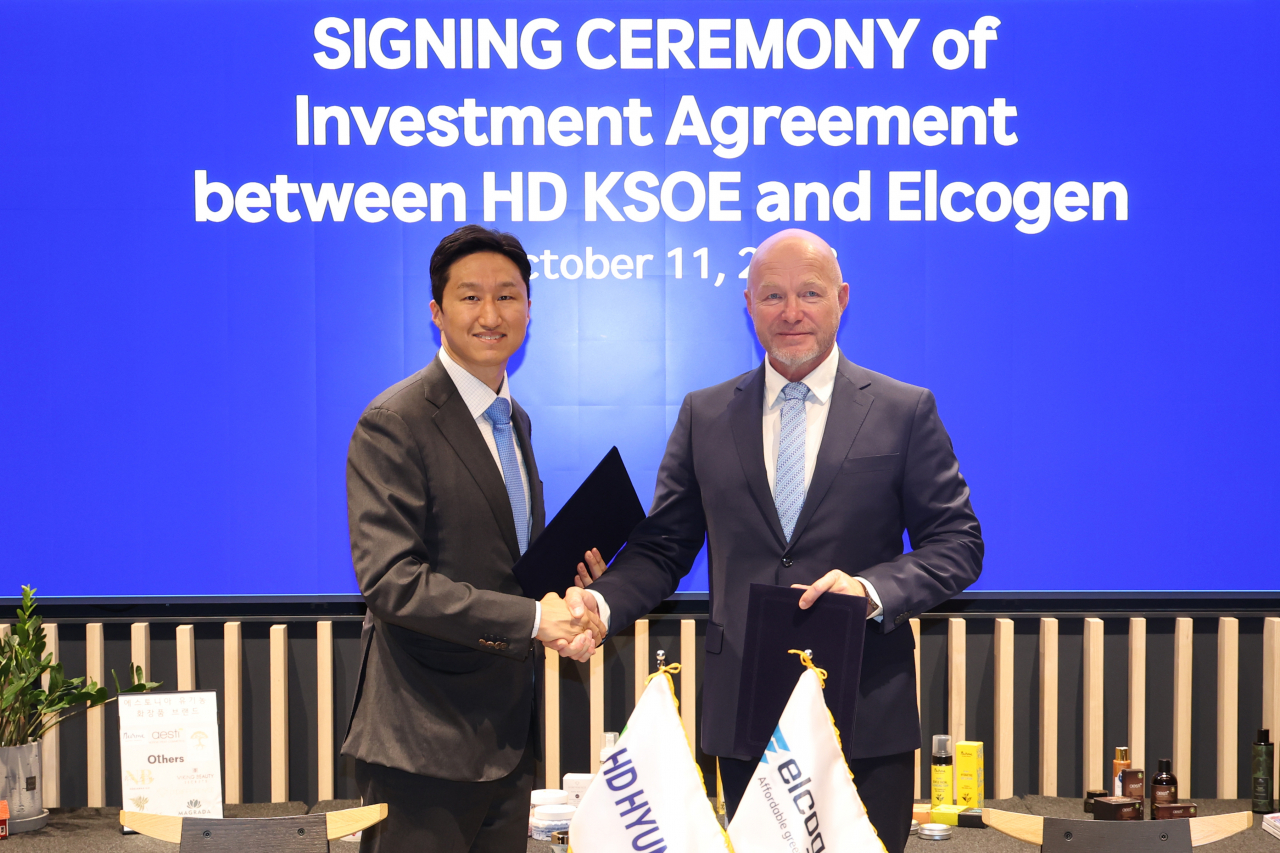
<point x="499" y="415"/>
<point x="788" y="491"/>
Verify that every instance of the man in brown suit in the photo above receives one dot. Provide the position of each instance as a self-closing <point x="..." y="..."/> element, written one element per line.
<point x="443" y="497"/>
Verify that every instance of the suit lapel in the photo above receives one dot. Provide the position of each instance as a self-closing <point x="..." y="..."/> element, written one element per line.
<point x="523" y="432"/>
<point x="746" y="411"/>
<point x="455" y="423"/>
<point x="849" y="405"/>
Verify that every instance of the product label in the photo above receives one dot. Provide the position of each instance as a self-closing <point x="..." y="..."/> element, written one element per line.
<point x="1164" y="794"/>
<point x="942" y="779"/>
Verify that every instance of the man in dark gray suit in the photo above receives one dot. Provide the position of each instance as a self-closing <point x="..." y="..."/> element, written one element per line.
<point x="806" y="471"/>
<point x="443" y="497"/>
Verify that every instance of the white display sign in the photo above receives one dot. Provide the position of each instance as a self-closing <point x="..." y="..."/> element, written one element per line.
<point x="169" y="757"/>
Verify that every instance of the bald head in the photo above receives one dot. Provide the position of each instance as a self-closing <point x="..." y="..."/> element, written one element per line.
<point x="795" y="296"/>
<point x="794" y="246"/>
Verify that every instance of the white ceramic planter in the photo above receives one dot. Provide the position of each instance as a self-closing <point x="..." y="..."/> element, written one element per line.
<point x="21" y="785"/>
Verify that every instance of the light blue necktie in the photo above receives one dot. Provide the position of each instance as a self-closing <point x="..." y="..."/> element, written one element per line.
<point x="788" y="491"/>
<point x="499" y="414"/>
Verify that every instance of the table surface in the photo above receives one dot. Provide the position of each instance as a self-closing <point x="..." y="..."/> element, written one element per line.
<point x="98" y="830"/>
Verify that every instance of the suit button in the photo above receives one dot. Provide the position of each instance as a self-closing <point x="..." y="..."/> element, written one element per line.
<point x="902" y="617"/>
<point x="787" y="562"/>
<point x="502" y="645"/>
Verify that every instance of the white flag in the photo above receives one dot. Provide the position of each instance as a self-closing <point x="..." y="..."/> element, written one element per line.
<point x="801" y="798"/>
<point x="648" y="796"/>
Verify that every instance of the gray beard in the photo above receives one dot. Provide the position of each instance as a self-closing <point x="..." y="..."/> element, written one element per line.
<point x="796" y="359"/>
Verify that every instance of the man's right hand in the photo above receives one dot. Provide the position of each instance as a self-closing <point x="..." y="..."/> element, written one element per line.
<point x="572" y="635"/>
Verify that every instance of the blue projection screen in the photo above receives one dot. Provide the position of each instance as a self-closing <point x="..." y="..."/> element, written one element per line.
<point x="218" y="216"/>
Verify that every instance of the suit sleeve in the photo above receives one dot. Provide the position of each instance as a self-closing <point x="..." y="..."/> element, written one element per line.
<point x="388" y="509"/>
<point x="946" y="539"/>
<point x="662" y="548"/>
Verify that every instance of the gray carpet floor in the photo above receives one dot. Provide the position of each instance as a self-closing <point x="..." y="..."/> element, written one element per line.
<point x="98" y="830"/>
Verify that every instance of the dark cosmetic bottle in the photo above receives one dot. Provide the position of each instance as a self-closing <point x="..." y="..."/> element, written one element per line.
<point x="1264" y="757"/>
<point x="1164" y="785"/>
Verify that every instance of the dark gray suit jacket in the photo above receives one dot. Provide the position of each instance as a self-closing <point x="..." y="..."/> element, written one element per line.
<point x="447" y="682"/>
<point x="885" y="465"/>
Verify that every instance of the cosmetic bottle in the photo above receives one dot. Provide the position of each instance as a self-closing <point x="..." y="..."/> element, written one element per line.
<point x="1264" y="757"/>
<point x="1120" y="764"/>
<point x="942" y="775"/>
<point x="1164" y="786"/>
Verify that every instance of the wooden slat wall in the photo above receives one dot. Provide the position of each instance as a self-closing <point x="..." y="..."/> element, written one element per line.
<point x="1002" y="753"/>
<point x="915" y="631"/>
<point x="1228" y="705"/>
<point x="1093" y="715"/>
<point x="643" y="662"/>
<point x="955" y="679"/>
<point x="232" y="704"/>
<point x="95" y="719"/>
<point x="324" y="710"/>
<point x="551" y="718"/>
<point x="689" y="679"/>
<point x="51" y="748"/>
<point x="1227" y="690"/>
<point x="185" y="642"/>
<point x="1271" y="683"/>
<point x="596" y="691"/>
<point x="1049" y="707"/>
<point x="279" y="713"/>
<point x="140" y="648"/>
<point x="1138" y="691"/>
<point x="1182" y="651"/>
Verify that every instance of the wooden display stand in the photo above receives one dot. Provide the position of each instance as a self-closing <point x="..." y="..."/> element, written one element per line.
<point x="1058" y="835"/>
<point x="293" y="834"/>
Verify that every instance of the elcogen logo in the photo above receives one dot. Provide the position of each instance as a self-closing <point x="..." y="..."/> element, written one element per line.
<point x="798" y="788"/>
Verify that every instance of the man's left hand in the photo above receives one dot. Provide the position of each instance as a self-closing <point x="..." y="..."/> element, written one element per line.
<point x="833" y="581"/>
<point x="590" y="571"/>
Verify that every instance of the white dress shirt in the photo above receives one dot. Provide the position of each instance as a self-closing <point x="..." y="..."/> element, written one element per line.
<point x="479" y="397"/>
<point x="822" y="382"/>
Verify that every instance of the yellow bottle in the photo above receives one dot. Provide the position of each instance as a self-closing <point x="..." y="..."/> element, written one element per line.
<point x="943" y="772"/>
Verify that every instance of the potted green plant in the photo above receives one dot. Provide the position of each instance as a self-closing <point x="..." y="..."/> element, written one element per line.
<point x="29" y="708"/>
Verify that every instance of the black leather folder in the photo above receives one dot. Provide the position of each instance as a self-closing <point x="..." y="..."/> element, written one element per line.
<point x="600" y="514"/>
<point x="833" y="630"/>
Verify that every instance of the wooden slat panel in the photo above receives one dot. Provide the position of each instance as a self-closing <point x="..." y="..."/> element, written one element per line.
<point x="956" y="643"/>
<point x="1093" y="706"/>
<point x="1049" y="707"/>
<point x="233" y="768"/>
<point x="1228" y="705"/>
<point x="551" y="716"/>
<point x="596" y="690"/>
<point x="1182" y="649"/>
<point x="51" y="745"/>
<point x="324" y="710"/>
<point x="1003" y="751"/>
<point x="185" y="641"/>
<point x="1271" y="682"/>
<point x="279" y="713"/>
<point x="689" y="680"/>
<point x="95" y="719"/>
<point x="643" y="663"/>
<point x="1138" y="691"/>
<point x="140" y="648"/>
<point x="915" y="632"/>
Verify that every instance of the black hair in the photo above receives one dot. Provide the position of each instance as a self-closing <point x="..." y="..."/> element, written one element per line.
<point x="471" y="240"/>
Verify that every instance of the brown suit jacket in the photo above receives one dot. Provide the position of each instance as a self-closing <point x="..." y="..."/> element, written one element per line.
<point x="447" y="681"/>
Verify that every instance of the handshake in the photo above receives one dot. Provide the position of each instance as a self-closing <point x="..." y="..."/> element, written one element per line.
<point x="571" y="625"/>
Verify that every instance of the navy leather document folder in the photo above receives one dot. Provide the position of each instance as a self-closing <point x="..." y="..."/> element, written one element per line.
<point x="600" y="514"/>
<point x="832" y="630"/>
